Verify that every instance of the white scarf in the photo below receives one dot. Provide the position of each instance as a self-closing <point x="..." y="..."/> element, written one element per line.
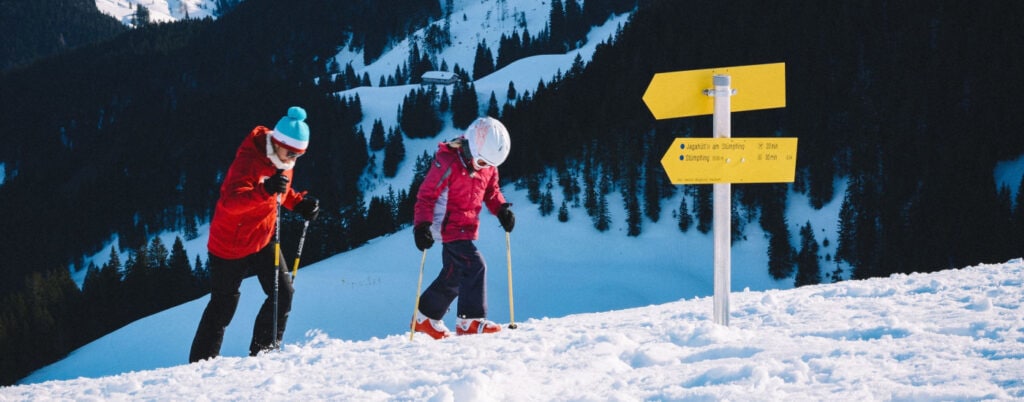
<point x="272" y="155"/>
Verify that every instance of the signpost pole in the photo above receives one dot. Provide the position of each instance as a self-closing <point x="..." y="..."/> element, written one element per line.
<point x="721" y="160"/>
<point x="722" y="208"/>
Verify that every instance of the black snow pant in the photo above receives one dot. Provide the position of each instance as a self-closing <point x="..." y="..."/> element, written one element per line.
<point x="463" y="275"/>
<point x="226" y="278"/>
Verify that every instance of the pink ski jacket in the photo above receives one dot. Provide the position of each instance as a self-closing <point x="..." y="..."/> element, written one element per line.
<point x="452" y="195"/>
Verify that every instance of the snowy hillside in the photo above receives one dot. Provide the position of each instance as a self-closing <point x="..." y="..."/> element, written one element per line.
<point x="159" y="10"/>
<point x="950" y="335"/>
<point x="475" y="21"/>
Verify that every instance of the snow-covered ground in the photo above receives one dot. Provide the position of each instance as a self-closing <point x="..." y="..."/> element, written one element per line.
<point x="955" y="335"/>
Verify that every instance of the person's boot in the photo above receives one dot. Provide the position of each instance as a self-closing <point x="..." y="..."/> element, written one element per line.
<point x="435" y="328"/>
<point x="470" y="326"/>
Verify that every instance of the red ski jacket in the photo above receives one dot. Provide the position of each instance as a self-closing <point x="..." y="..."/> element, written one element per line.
<point x="452" y="195"/>
<point x="244" y="219"/>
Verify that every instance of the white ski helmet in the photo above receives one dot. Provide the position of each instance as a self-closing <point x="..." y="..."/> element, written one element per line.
<point x="488" y="141"/>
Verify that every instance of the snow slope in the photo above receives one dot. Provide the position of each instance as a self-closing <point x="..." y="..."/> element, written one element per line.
<point x="951" y="335"/>
<point x="159" y="10"/>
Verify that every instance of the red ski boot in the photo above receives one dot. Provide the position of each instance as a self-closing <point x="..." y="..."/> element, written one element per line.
<point x="470" y="326"/>
<point x="435" y="328"/>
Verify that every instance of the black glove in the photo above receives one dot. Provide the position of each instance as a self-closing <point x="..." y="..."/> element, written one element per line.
<point x="277" y="183"/>
<point x="309" y="208"/>
<point x="506" y="217"/>
<point x="424" y="239"/>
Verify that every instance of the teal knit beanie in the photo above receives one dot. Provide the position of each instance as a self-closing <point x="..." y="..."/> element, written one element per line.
<point x="291" y="131"/>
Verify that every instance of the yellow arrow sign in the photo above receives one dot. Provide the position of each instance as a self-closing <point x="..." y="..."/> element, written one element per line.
<point x="681" y="93"/>
<point x="731" y="160"/>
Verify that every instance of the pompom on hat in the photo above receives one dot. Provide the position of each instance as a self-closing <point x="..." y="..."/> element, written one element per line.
<point x="291" y="131"/>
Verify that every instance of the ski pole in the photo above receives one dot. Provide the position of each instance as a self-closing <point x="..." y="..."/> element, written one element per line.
<point x="277" y="264"/>
<point x="298" y="253"/>
<point x="416" y="309"/>
<point x="511" y="306"/>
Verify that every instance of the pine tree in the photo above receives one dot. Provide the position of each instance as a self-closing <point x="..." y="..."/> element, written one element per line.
<point x="570" y="186"/>
<point x="200" y="276"/>
<point x="557" y="27"/>
<point x="590" y="191"/>
<point x="533" y="188"/>
<point x="407" y="205"/>
<point x="773" y="221"/>
<point x="109" y="289"/>
<point x="394" y="153"/>
<point x="415" y="76"/>
<point x="847" y="228"/>
<point x="780" y="256"/>
<point x="547" y="202"/>
<point x="492" y="107"/>
<point x="563" y="212"/>
<point x="418" y="116"/>
<point x="634" y="217"/>
<point x="157" y="254"/>
<point x="351" y="79"/>
<point x="602" y="221"/>
<point x="377" y="140"/>
<point x="652" y="191"/>
<point x="380" y="219"/>
<point x="576" y="28"/>
<point x="136" y="282"/>
<point x="444" y="105"/>
<point x="808" y="268"/>
<point x="483" y="62"/>
<point x="158" y="285"/>
<point x="511" y="94"/>
<point x="465" y="106"/>
<point x="685" y="220"/>
<point x="630" y="195"/>
<point x="836" y="275"/>
<point x="705" y="207"/>
<point x="180" y="278"/>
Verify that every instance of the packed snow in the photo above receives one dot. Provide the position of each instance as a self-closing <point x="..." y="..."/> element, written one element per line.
<point x="949" y="335"/>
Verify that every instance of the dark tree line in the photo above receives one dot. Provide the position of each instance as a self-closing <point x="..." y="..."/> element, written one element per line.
<point x="33" y="30"/>
<point x="50" y="315"/>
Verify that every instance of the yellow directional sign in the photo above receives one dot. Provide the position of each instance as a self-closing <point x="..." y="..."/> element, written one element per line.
<point x="731" y="160"/>
<point x="681" y="93"/>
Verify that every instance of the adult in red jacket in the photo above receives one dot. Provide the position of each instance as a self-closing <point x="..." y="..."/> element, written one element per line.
<point x="463" y="178"/>
<point x="242" y="229"/>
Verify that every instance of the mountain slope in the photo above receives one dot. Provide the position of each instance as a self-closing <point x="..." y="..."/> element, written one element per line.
<point x="37" y="29"/>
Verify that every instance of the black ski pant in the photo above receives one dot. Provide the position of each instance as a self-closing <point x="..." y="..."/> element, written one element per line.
<point x="463" y="275"/>
<point x="226" y="278"/>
